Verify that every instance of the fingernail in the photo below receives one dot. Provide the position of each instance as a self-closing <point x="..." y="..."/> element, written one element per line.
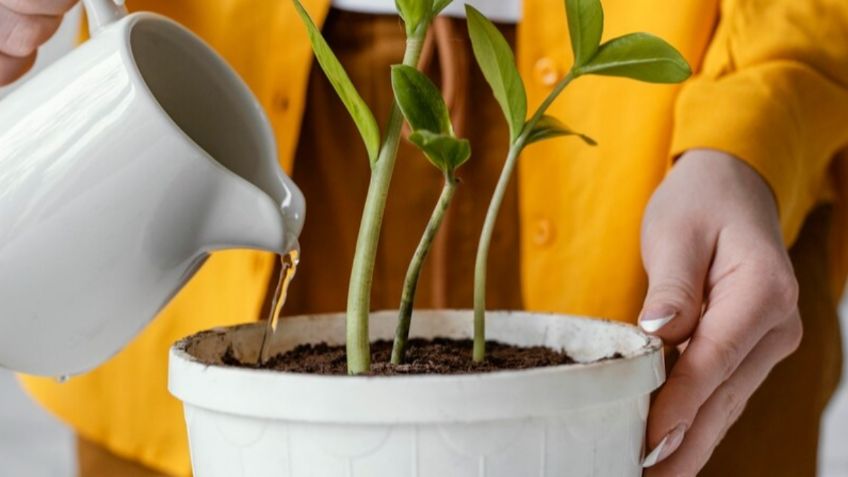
<point x="666" y="447"/>
<point x="652" y="322"/>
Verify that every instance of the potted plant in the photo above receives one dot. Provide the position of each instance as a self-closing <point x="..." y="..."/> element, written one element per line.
<point x="569" y="395"/>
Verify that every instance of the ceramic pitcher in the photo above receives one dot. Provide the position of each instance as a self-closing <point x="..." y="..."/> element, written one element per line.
<point x="121" y="167"/>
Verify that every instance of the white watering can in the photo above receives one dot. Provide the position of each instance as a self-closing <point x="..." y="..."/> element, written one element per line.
<point x="121" y="167"/>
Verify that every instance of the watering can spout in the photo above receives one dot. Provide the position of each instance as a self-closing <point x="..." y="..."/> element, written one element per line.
<point x="291" y="207"/>
<point x="244" y="216"/>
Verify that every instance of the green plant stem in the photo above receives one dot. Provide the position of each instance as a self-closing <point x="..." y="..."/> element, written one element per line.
<point x="414" y="271"/>
<point x="362" y="272"/>
<point x="481" y="263"/>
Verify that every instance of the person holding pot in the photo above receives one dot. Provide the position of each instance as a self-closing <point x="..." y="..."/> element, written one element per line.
<point x="713" y="212"/>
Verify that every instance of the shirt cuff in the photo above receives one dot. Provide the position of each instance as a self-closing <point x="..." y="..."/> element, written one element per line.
<point x="781" y="118"/>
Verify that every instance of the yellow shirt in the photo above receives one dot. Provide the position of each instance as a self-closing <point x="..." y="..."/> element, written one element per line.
<point x="771" y="88"/>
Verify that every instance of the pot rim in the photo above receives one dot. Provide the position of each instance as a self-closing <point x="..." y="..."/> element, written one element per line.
<point x="495" y="395"/>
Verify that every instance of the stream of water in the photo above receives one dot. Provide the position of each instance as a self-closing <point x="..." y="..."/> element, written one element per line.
<point x="288" y="269"/>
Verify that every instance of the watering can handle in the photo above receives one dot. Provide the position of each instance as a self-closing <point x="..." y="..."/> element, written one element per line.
<point x="102" y="13"/>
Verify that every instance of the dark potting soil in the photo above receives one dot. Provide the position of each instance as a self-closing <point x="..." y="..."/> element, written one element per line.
<point x="437" y="356"/>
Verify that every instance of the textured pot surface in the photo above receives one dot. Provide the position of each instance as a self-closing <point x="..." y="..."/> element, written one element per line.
<point x="586" y="419"/>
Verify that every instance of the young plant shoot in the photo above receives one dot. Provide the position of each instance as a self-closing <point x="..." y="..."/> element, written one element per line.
<point x="417" y="16"/>
<point x="639" y="56"/>
<point x="432" y="132"/>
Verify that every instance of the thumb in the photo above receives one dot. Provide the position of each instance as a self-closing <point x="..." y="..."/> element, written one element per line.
<point x="677" y="264"/>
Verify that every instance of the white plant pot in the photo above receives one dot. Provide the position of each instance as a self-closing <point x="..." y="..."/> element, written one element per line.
<point x="579" y="420"/>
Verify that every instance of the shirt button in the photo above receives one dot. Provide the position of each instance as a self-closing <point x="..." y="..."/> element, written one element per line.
<point x="546" y="71"/>
<point x="543" y="232"/>
<point x="280" y="102"/>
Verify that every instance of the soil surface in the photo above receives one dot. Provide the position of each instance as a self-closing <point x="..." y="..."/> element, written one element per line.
<point x="437" y="356"/>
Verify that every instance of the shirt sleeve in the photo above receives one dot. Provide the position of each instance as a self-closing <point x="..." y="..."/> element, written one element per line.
<point x="773" y="92"/>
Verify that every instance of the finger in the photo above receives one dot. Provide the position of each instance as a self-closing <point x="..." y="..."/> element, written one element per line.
<point x="677" y="262"/>
<point x="21" y="35"/>
<point x="39" y="7"/>
<point x="744" y="310"/>
<point x="725" y="406"/>
<point x="12" y="68"/>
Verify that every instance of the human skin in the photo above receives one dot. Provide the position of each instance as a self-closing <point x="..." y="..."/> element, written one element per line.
<point x="722" y="288"/>
<point x="24" y="26"/>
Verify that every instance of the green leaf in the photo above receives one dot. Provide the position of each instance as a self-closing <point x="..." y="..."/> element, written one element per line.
<point x="439" y="5"/>
<point x="444" y="151"/>
<point x="497" y="63"/>
<point x="550" y="127"/>
<point x="414" y="13"/>
<point x="362" y="116"/>
<point x="640" y="56"/>
<point x="420" y="101"/>
<point x="585" y="25"/>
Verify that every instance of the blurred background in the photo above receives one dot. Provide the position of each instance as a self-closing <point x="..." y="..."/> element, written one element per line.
<point x="34" y="444"/>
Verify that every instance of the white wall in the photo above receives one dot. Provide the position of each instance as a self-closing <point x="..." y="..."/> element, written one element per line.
<point x="833" y="450"/>
<point x="32" y="443"/>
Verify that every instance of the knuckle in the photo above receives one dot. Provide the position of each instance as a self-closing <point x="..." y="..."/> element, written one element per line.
<point x="793" y="333"/>
<point x="43" y="7"/>
<point x="733" y="405"/>
<point x="786" y="289"/>
<point x="779" y="282"/>
<point x="17" y="5"/>
<point x="675" y="292"/>
<point x="26" y="34"/>
<point x="726" y="355"/>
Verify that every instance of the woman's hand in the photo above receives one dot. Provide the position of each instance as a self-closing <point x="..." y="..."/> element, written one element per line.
<point x="24" y="26"/>
<point x="722" y="287"/>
